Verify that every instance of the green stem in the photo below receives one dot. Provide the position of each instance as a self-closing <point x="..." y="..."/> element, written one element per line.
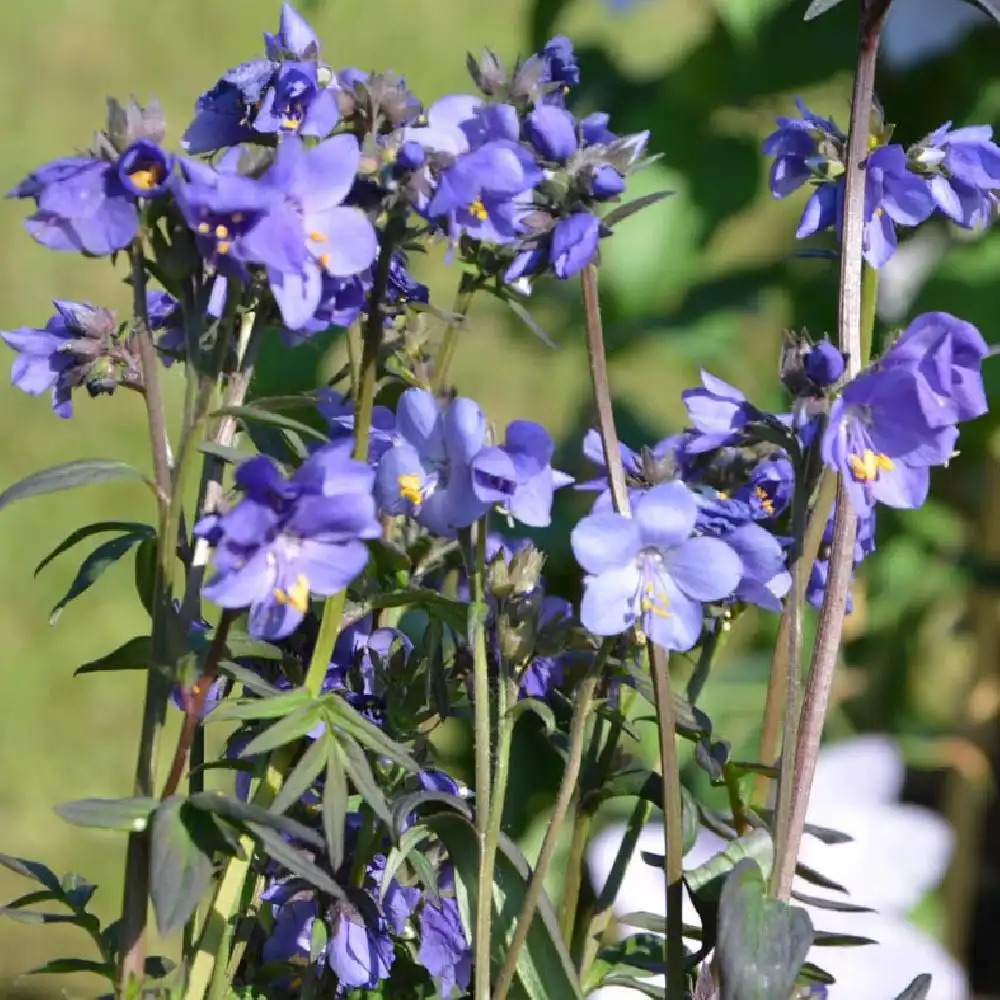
<point x="673" y="825"/>
<point x="481" y="740"/>
<point x="449" y="342"/>
<point x="583" y="820"/>
<point x="849" y="316"/>
<point x="135" y="901"/>
<point x="568" y="787"/>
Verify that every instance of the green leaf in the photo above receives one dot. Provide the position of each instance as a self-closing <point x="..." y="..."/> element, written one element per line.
<point x="822" y="903"/>
<point x="818" y="7"/>
<point x="131" y="815"/>
<point x="34" y="870"/>
<point x="93" y="567"/>
<point x="762" y="942"/>
<point x="544" y="966"/>
<point x="451" y="613"/>
<point x="97" y="528"/>
<point x="144" y="571"/>
<point x="537" y="707"/>
<point x="132" y="655"/>
<point x="410" y="848"/>
<point x="525" y="316"/>
<point x="83" y="472"/>
<point x="918" y="989"/>
<point x="278" y="849"/>
<point x="248" y="814"/>
<point x="286" y="730"/>
<point x="241" y="645"/>
<point x="642" y="952"/>
<point x="250" y="679"/>
<point x="258" y="415"/>
<point x="706" y="880"/>
<point x="622" y="212"/>
<point x="184" y="841"/>
<point x="67" y="966"/>
<point x="359" y="770"/>
<point x="335" y="806"/>
<point x="341" y="716"/>
<point x="225" y="453"/>
<point x="301" y="778"/>
<point x="831" y="939"/>
<point x="247" y="709"/>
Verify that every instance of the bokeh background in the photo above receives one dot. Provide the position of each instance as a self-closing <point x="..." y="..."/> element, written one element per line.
<point x="704" y="279"/>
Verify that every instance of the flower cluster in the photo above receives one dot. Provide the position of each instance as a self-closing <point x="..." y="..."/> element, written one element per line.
<point x="955" y="172"/>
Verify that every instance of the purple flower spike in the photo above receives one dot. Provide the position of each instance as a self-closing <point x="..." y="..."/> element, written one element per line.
<point x="309" y="232"/>
<point x="947" y="353"/>
<point x="518" y="476"/>
<point x="427" y="473"/>
<point x="290" y="538"/>
<point x="879" y="439"/>
<point x="648" y="569"/>
<point x="574" y="244"/>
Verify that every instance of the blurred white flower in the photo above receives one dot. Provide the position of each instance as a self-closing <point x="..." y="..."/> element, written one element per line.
<point x="898" y="853"/>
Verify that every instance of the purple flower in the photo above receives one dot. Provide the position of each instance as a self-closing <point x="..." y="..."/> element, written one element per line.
<point x="552" y="131"/>
<point x="769" y="488"/>
<point x="795" y="146"/>
<point x="947" y="354"/>
<point x="453" y="126"/>
<point x="60" y="356"/>
<point x="718" y="412"/>
<point x="648" y="569"/>
<point x="291" y="938"/>
<point x="297" y="103"/>
<point x="606" y="183"/>
<point x="864" y="545"/>
<point x="223" y="114"/>
<point x="765" y="578"/>
<point x="338" y="411"/>
<point x="427" y="473"/>
<point x="289" y="538"/>
<point x="82" y="205"/>
<point x="518" y="475"/>
<point x="879" y="439"/>
<point x="308" y="232"/>
<point x="167" y="319"/>
<point x="444" y="949"/>
<point x="483" y="192"/>
<point x="894" y="195"/>
<point x="964" y="167"/>
<point x="295" y="37"/>
<point x="594" y="129"/>
<point x="560" y="68"/>
<point x="359" y="954"/>
<point x="545" y="673"/>
<point x="574" y="243"/>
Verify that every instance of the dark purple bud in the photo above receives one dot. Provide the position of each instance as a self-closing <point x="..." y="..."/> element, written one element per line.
<point x="824" y="364"/>
<point x="552" y="131"/>
<point x="606" y="183"/>
<point x="574" y="244"/>
<point x="411" y="156"/>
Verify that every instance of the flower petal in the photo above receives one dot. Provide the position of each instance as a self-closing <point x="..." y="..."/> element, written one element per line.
<point x="605" y="541"/>
<point x="609" y="602"/>
<point x="704" y="568"/>
<point x="666" y="514"/>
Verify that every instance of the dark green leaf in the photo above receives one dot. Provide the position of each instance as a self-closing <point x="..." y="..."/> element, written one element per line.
<point x="822" y="833"/>
<point x="622" y="212"/>
<point x="830" y="939"/>
<point x="255" y="414"/>
<point x="250" y="679"/>
<point x="407" y="804"/>
<point x="34" y="870"/>
<point x="813" y="876"/>
<point x="234" y="456"/>
<point x="93" y="567"/>
<point x="241" y="645"/>
<point x="286" y="730"/>
<point x="410" y="847"/>
<point x="67" y="966"/>
<point x="818" y="7"/>
<point x="359" y="770"/>
<point x="34" y="917"/>
<point x="822" y="903"/>
<point x="278" y="849"/>
<point x="544" y="967"/>
<point x="247" y="813"/>
<point x="97" y="528"/>
<point x="536" y="707"/>
<point x="132" y="655"/>
<point x="525" y="316"/>
<point x="918" y="989"/>
<point x="762" y="942"/>
<point x="814" y="974"/>
<point x="183" y="844"/>
<point x="341" y="716"/>
<point x="643" y="952"/>
<point x="648" y="989"/>
<point x="83" y="472"/>
<point x="451" y="613"/>
<point x="131" y="815"/>
<point x="144" y="571"/>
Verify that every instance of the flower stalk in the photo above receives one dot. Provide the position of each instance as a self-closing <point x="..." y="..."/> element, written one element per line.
<point x="449" y="342"/>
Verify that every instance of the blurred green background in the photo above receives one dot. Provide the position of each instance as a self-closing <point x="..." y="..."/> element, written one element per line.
<point x="703" y="279"/>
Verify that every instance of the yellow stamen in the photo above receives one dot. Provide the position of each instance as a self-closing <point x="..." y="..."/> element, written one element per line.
<point x="865" y="468"/>
<point x="873" y="142"/>
<point x="221" y="232"/>
<point x="765" y="501"/>
<point x="317" y="237"/>
<point x="291" y="123"/>
<point x="655" y="603"/>
<point x="324" y="261"/>
<point x="478" y="210"/>
<point x="409" y="489"/>
<point x="204" y="228"/>
<point x="297" y="596"/>
<point x="222" y="247"/>
<point x="147" y="178"/>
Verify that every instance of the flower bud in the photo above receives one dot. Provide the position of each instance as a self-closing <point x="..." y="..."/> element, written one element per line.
<point x="606" y="183"/>
<point x="824" y="364"/>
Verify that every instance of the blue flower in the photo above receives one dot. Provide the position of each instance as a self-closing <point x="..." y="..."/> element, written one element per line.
<point x="964" y="172"/>
<point x="445" y="951"/>
<point x="518" y="475"/>
<point x="359" y="953"/>
<point x="427" y="473"/>
<point x="338" y="411"/>
<point x="824" y="364"/>
<point x="796" y="148"/>
<point x="718" y="412"/>
<point x="864" y="545"/>
<point x="769" y="488"/>
<point x="289" y="538"/>
<point x="308" y="232"/>
<point x="648" y="569"/>
<point x="166" y="318"/>
<point x="880" y="441"/>
<point x="552" y="131"/>
<point x="560" y="68"/>
<point x="297" y="103"/>
<point x="224" y="114"/>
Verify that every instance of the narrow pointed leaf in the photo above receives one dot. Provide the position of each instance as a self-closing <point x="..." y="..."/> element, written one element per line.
<point x="240" y="645"/>
<point x="537" y="707"/>
<point x="341" y="716"/>
<point x="131" y="815"/>
<point x="524" y="315"/>
<point x="287" y="730"/>
<point x="247" y="709"/>
<point x="918" y="989"/>
<point x="256" y="414"/>
<point x="249" y="815"/>
<point x="830" y="939"/>
<point x="250" y="680"/>
<point x="131" y="655"/>
<point x="84" y="472"/>
<point x="278" y="849"/>
<point x="360" y="772"/>
<point x="335" y="805"/>
<point x="34" y="870"/>
<point x="68" y="966"/>
<point x="406" y="805"/>
<point x="818" y="7"/>
<point x="821" y="903"/>
<point x="622" y="212"/>
<point x="303" y="776"/>
<point x="92" y="569"/>
<point x="97" y="528"/>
